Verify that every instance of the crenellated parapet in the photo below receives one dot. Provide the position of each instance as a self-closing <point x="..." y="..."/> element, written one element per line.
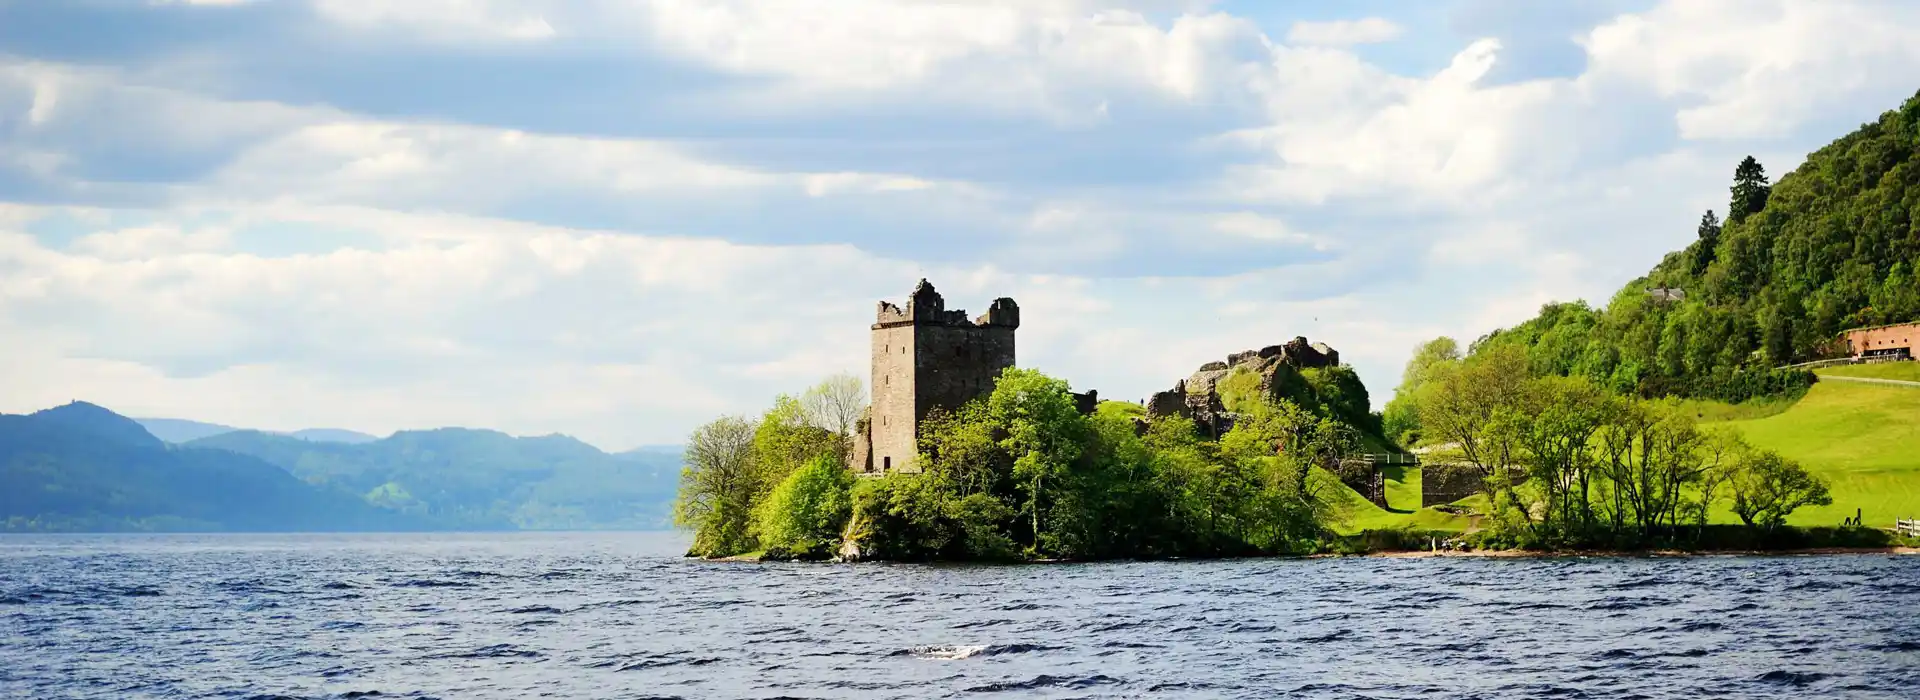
<point x="926" y="306"/>
<point x="1003" y="313"/>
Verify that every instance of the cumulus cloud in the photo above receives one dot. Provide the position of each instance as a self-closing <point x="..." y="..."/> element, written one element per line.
<point x="1760" y="69"/>
<point x="1157" y="184"/>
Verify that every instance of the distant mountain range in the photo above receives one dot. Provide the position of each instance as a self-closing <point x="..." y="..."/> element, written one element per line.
<point x="179" y="431"/>
<point x="81" y="467"/>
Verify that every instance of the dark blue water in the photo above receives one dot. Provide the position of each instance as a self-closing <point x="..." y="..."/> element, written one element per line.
<point x="620" y="616"/>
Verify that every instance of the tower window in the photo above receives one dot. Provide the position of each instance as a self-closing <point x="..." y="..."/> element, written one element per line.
<point x="886" y="462"/>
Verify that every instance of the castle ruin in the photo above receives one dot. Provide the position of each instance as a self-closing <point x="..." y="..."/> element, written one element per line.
<point x="926" y="357"/>
<point x="1197" y="397"/>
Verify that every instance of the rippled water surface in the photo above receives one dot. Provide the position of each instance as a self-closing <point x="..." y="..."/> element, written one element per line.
<point x="621" y="616"/>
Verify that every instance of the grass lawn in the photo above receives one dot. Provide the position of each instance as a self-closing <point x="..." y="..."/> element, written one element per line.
<point x="1864" y="438"/>
<point x="1904" y="371"/>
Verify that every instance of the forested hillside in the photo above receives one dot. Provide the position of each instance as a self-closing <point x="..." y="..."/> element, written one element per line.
<point x="481" y="479"/>
<point x="83" y="467"/>
<point x="1833" y="245"/>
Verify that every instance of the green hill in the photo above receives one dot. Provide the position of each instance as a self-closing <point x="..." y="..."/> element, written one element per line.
<point x="1864" y="438"/>
<point x="1834" y="244"/>
<point x="80" y="467"/>
<point x="481" y="479"/>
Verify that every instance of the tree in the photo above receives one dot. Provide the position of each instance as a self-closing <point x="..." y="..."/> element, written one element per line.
<point x="717" y="488"/>
<point x="1724" y="451"/>
<point x="1652" y="455"/>
<point x="1703" y="250"/>
<point x="1567" y="414"/>
<point x="1479" y="405"/>
<point x="835" y="403"/>
<point x="1768" y="487"/>
<point x="804" y="514"/>
<point x="1750" y="190"/>
<point x="1044" y="435"/>
<point x="1401" y="420"/>
<point x="1431" y="354"/>
<point x="787" y="438"/>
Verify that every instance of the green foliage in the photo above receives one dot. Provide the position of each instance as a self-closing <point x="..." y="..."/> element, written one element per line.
<point x="1767" y="488"/>
<point x="1021" y="474"/>
<point x="787" y="438"/>
<point x="1044" y="434"/>
<point x="1833" y="245"/>
<point x="1703" y="249"/>
<point x="805" y="513"/>
<point x="1565" y="463"/>
<point x="1749" y="189"/>
<point x="719" y="487"/>
<point x="1401" y="420"/>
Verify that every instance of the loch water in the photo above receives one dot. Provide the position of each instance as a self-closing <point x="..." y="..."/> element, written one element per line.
<point x="583" y="615"/>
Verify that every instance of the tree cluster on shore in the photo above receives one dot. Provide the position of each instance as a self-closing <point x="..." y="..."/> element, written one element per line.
<point x="1565" y="463"/>
<point x="1022" y="474"/>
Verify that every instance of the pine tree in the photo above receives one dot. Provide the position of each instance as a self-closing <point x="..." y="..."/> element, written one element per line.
<point x="1750" y="190"/>
<point x="1703" y="250"/>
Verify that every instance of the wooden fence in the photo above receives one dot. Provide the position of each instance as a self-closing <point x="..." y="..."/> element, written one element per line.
<point x="1907" y="528"/>
<point x="1391" y="460"/>
<point x="1844" y="361"/>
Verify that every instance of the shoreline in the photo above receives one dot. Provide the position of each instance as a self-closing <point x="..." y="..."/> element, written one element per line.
<point x="1523" y="553"/>
<point x="754" y="558"/>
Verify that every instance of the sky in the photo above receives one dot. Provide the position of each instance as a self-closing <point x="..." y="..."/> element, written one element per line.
<point x="618" y="219"/>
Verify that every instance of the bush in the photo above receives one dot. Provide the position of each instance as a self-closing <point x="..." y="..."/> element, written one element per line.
<point x="804" y="515"/>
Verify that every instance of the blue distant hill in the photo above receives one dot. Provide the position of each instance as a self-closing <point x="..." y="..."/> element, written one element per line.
<point x="81" y="467"/>
<point x="180" y="431"/>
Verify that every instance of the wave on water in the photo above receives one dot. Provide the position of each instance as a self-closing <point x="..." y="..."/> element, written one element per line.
<point x="954" y="652"/>
<point x="1046" y="681"/>
<point x="431" y="583"/>
<point x="585" y="615"/>
<point x="1792" y="678"/>
<point x="493" y="651"/>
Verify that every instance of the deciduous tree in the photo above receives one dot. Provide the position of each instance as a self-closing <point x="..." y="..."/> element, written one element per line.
<point x="718" y="486"/>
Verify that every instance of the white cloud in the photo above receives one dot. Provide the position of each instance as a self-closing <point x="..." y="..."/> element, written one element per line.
<point x="1371" y="30"/>
<point x="1759" y="68"/>
<point x="322" y="267"/>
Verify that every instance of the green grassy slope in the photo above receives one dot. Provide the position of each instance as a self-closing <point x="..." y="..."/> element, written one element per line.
<point x="1864" y="438"/>
<point x="1403" y="495"/>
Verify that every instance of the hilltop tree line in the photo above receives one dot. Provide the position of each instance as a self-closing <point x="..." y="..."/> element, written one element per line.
<point x="1833" y="245"/>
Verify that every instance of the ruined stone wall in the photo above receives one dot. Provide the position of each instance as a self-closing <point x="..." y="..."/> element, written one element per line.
<point x="1087" y="403"/>
<point x="1442" y="483"/>
<point x="1365" y="479"/>
<point x="891" y="416"/>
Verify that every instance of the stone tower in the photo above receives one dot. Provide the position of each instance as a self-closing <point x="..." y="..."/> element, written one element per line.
<point x="924" y="357"/>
